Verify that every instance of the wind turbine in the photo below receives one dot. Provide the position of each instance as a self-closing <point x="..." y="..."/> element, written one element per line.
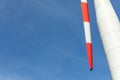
<point x="109" y="29"/>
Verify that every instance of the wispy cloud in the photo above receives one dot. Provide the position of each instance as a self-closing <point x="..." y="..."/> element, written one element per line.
<point x="27" y="15"/>
<point x="10" y="76"/>
<point x="52" y="8"/>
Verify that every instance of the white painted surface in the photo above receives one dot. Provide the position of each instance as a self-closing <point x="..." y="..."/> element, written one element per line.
<point x="84" y="1"/>
<point x="87" y="32"/>
<point x="109" y="28"/>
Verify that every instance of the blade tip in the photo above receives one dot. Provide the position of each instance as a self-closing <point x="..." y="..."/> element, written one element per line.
<point x="91" y="69"/>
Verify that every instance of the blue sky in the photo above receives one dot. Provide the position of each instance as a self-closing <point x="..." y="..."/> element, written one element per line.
<point x="44" y="40"/>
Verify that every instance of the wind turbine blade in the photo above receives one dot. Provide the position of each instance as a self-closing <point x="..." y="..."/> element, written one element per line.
<point x="86" y="22"/>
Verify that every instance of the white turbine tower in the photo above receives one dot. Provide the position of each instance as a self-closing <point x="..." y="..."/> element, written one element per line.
<point x="109" y="28"/>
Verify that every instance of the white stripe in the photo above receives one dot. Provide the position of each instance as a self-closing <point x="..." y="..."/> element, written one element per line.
<point x="84" y="1"/>
<point x="87" y="32"/>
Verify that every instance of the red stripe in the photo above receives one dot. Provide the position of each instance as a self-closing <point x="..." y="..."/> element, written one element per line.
<point x="89" y="53"/>
<point x="85" y="12"/>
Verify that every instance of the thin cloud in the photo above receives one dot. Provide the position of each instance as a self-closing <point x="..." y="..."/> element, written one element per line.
<point x="52" y="8"/>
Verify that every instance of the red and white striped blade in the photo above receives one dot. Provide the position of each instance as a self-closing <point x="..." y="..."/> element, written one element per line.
<point x="86" y="21"/>
<point x="89" y="53"/>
